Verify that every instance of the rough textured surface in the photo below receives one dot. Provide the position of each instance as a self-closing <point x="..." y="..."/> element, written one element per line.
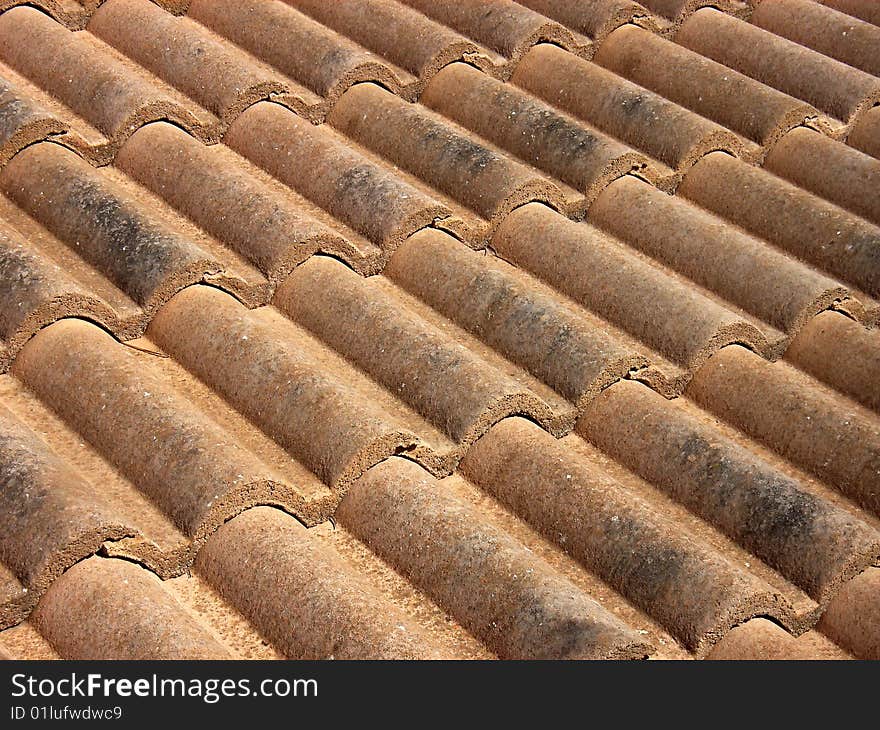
<point x="744" y="271"/>
<point x="832" y="33"/>
<point x="440" y="154"/>
<point x="808" y="227"/>
<point x="838" y="90"/>
<point x="830" y="170"/>
<point x="851" y="619"/>
<point x="864" y="9"/>
<point x="342" y="181"/>
<point x="596" y="19"/>
<point x="308" y="602"/>
<point x="22" y="119"/>
<point x="767" y="511"/>
<point x="54" y="518"/>
<point x="460" y="329"/>
<point x="865" y="134"/>
<point x="842" y="354"/>
<point x="506" y="27"/>
<point x="90" y="82"/>
<point x="218" y="76"/>
<point x="760" y="639"/>
<point x="483" y="577"/>
<point x="604" y="276"/>
<point x="559" y="343"/>
<point x="709" y="88"/>
<point x="405" y="353"/>
<point x="309" y="400"/>
<point x="172" y="450"/>
<point x="270" y="225"/>
<point x="621" y="108"/>
<point x="534" y="132"/>
<point x="698" y="593"/>
<point x="111" y="609"/>
<point x="793" y="415"/>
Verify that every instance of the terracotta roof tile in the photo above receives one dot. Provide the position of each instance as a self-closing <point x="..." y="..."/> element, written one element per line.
<point x="645" y="555"/>
<point x="473" y="174"/>
<point x="492" y="584"/>
<point x="679" y="10"/>
<point x="850" y="619"/>
<point x="110" y="225"/>
<point x="808" y="227"/>
<point x="342" y="180"/>
<point x="848" y="177"/>
<point x="217" y="75"/>
<point x="309" y="602"/>
<point x="405" y="353"/>
<point x="832" y="33"/>
<point x="839" y="352"/>
<point x="777" y="289"/>
<point x="239" y="296"/>
<point x="792" y="414"/>
<point x="864" y="9"/>
<point x="506" y="27"/>
<point x="770" y="513"/>
<point x="622" y="109"/>
<point x="617" y="284"/>
<point x="757" y="112"/>
<point x="403" y="36"/>
<point x="150" y="537"/>
<point x="54" y="516"/>
<point x="92" y="82"/>
<point x="866" y="132"/>
<point x="840" y="91"/>
<point x="37" y="291"/>
<point x="26" y="102"/>
<point x="561" y="344"/>
<point x="316" y="405"/>
<point x="24" y="121"/>
<point x="187" y="464"/>
<point x="761" y="639"/>
<point x="138" y="617"/>
<point x="324" y="63"/>
<point x="584" y="158"/>
<point x="597" y="18"/>
<point x="71" y="13"/>
<point x="269" y="224"/>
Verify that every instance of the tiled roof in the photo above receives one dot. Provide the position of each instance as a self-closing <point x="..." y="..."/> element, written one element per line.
<point x="440" y="329"/>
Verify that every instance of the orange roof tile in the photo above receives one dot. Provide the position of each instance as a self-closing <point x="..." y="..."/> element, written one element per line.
<point x="388" y="329"/>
